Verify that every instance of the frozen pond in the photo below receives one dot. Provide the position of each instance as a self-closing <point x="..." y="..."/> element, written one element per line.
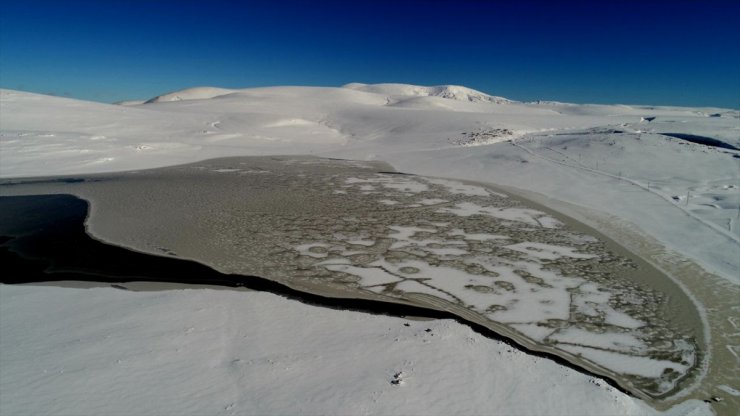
<point x="357" y="229"/>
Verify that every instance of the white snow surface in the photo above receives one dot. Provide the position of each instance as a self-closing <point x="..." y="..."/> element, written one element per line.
<point x="197" y="93"/>
<point x="223" y="352"/>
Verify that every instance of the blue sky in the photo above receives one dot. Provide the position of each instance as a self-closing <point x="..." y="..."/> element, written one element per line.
<point x="633" y="52"/>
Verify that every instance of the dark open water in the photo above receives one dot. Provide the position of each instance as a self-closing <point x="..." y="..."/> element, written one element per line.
<point x="43" y="239"/>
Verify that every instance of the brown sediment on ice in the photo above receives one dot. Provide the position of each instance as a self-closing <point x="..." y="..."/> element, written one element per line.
<point x="342" y="229"/>
<point x="714" y="298"/>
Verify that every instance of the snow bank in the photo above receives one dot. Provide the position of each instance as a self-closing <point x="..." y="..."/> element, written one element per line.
<point x="194" y="352"/>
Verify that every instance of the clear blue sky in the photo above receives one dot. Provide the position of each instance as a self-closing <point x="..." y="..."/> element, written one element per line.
<point x="633" y="52"/>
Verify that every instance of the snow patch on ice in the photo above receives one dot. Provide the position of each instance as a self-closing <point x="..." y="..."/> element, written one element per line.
<point x="526" y="215"/>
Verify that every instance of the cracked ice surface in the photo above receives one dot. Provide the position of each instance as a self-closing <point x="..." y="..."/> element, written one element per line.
<point x="514" y="266"/>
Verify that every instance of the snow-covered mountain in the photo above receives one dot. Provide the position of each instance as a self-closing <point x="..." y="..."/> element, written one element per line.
<point x="452" y="92"/>
<point x="394" y="92"/>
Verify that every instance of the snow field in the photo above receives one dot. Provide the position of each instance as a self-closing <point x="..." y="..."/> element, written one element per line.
<point x="226" y="352"/>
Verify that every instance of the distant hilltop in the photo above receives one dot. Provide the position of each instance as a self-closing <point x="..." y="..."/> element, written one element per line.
<point x="196" y="93"/>
<point x="452" y="92"/>
<point x="394" y="92"/>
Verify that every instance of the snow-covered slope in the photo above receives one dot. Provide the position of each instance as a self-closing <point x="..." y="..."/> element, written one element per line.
<point x="207" y="352"/>
<point x="197" y="93"/>
<point x="130" y="102"/>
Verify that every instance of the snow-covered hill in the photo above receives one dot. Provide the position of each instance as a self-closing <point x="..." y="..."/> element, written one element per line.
<point x="393" y="92"/>
<point x="452" y="92"/>
<point x="197" y="93"/>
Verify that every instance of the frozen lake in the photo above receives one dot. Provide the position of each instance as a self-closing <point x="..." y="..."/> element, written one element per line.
<point x="353" y="229"/>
